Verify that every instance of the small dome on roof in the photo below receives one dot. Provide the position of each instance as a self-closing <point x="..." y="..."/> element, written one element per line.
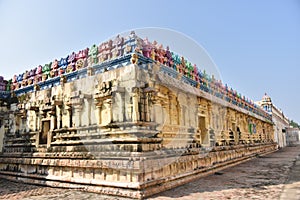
<point x="266" y="98"/>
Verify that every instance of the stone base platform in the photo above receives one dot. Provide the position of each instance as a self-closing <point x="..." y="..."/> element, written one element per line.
<point x="136" y="176"/>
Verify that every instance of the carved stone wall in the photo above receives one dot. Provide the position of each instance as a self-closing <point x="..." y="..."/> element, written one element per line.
<point x="132" y="131"/>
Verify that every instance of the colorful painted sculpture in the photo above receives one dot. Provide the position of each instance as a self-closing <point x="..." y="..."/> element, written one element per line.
<point x="161" y="54"/>
<point x="71" y="61"/>
<point x="54" y="69"/>
<point x="130" y="42"/>
<point x="93" y="53"/>
<point x="182" y="66"/>
<point x="39" y="72"/>
<point x="117" y="46"/>
<point x="54" y="65"/>
<point x="72" y="58"/>
<point x="63" y="63"/>
<point x="114" y="52"/>
<point x="101" y="50"/>
<point x="189" y="69"/>
<point x="9" y="85"/>
<point x="153" y="54"/>
<point x="108" y="48"/>
<point x="70" y="68"/>
<point x="168" y="57"/>
<point x="147" y="48"/>
<point x="14" y="79"/>
<point x="82" y="54"/>
<point x="25" y="75"/>
<point x="127" y="49"/>
<point x="80" y="64"/>
<point x="2" y="84"/>
<point x="46" y="71"/>
<point x="31" y="80"/>
<point x="195" y="75"/>
<point x="20" y="78"/>
<point x="32" y="72"/>
<point x="24" y="83"/>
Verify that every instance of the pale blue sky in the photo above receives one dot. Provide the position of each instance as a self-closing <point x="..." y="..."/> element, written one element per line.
<point x="255" y="44"/>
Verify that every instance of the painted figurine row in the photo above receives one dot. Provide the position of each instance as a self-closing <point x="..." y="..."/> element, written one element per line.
<point x="75" y="61"/>
<point x="118" y="47"/>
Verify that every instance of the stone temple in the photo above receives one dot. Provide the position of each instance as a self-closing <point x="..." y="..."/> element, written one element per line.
<point x="126" y="118"/>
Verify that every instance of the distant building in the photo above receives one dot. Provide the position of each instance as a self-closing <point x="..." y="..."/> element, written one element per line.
<point x="281" y="122"/>
<point x="292" y="136"/>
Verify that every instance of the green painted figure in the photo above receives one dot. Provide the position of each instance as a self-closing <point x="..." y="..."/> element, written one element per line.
<point x="93" y="53"/>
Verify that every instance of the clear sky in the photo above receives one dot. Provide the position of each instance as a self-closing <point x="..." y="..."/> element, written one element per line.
<point x="255" y="44"/>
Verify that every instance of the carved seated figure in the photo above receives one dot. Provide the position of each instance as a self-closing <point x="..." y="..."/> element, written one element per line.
<point x="105" y="88"/>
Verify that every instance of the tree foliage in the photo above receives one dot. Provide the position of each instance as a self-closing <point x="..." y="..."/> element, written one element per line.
<point x="294" y="124"/>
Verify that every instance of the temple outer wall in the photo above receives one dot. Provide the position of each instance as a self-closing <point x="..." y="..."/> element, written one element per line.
<point x="131" y="131"/>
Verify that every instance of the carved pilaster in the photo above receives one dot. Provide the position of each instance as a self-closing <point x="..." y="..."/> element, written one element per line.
<point x="135" y="105"/>
<point x="103" y="102"/>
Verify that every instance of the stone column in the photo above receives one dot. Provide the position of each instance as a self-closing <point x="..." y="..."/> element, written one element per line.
<point x="98" y="112"/>
<point x="108" y="107"/>
<point x="34" y="121"/>
<point x="38" y="121"/>
<point x="58" y="117"/>
<point x="77" y="115"/>
<point x="53" y="122"/>
<point x="165" y="113"/>
<point x="69" y="116"/>
<point x="135" y="105"/>
<point x="147" y="108"/>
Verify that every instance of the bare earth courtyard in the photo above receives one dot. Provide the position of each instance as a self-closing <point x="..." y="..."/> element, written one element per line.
<point x="273" y="176"/>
